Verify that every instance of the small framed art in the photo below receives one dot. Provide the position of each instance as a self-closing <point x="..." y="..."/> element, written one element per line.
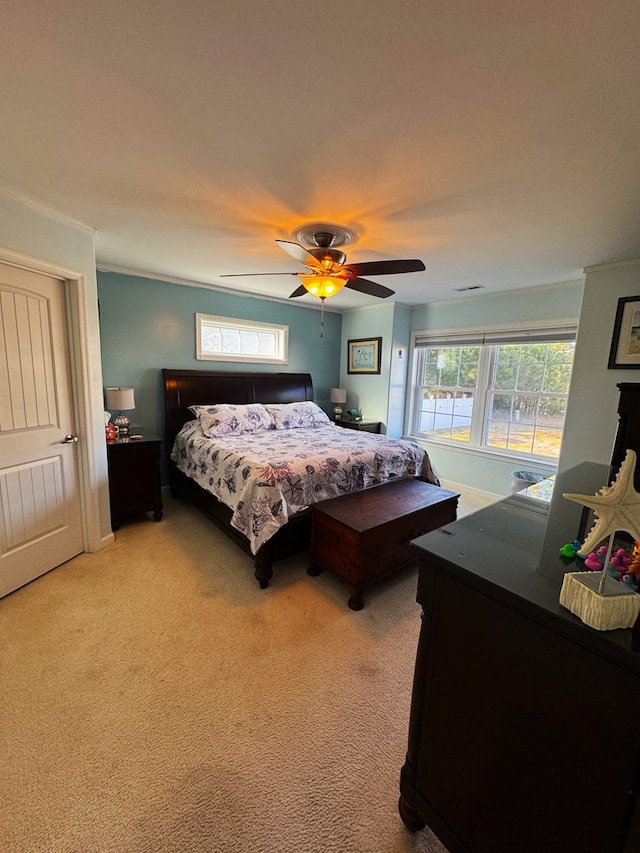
<point x="625" y="345"/>
<point x="364" y="355"/>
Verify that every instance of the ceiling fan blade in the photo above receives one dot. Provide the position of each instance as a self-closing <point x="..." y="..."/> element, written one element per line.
<point x="243" y="274"/>
<point x="299" y="291"/>
<point x="300" y="254"/>
<point x="372" y="288"/>
<point x="386" y="267"/>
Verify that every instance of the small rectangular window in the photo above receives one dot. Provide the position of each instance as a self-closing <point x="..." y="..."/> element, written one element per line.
<point x="228" y="339"/>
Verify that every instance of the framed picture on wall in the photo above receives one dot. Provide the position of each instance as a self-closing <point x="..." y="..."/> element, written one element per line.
<point x="625" y="345"/>
<point x="364" y="355"/>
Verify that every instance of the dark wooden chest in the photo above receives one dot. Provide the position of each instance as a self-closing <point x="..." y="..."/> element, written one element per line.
<point x="364" y="536"/>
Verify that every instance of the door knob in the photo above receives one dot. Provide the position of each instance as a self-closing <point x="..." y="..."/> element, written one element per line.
<point x="69" y="439"/>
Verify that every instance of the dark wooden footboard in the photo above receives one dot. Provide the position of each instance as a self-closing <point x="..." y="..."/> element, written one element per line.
<point x="293" y="538"/>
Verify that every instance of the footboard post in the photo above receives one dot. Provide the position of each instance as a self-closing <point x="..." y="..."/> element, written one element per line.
<point x="264" y="565"/>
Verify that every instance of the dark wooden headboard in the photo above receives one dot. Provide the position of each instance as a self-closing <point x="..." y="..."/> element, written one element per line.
<point x="184" y="388"/>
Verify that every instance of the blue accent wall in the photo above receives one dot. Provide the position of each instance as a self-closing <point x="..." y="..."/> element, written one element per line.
<point x="381" y="396"/>
<point x="147" y="324"/>
<point x="369" y="391"/>
<point x="398" y="359"/>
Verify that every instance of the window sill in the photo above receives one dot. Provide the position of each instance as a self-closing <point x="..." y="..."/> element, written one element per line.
<point x="484" y="452"/>
<point x="248" y="359"/>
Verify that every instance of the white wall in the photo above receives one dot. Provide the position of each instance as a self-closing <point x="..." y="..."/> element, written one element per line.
<point x="592" y="419"/>
<point x="30" y="231"/>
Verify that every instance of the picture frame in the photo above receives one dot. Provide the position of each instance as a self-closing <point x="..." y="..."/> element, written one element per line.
<point x="364" y="355"/>
<point x="625" y="344"/>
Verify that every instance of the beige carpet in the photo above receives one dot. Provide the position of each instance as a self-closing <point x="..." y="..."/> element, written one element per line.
<point x="154" y="699"/>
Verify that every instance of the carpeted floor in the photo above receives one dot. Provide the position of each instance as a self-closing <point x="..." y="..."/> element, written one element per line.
<point x="154" y="699"/>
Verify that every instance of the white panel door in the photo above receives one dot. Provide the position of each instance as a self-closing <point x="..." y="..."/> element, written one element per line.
<point x="40" y="516"/>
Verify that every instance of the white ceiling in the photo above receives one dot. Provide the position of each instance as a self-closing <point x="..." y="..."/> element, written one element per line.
<point x="499" y="142"/>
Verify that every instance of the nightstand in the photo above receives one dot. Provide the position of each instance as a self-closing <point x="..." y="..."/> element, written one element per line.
<point x="134" y="478"/>
<point x="362" y="426"/>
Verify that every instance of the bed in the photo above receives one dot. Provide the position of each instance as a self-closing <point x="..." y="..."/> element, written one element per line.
<point x="264" y="479"/>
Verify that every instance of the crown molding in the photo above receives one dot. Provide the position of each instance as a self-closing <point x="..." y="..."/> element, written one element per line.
<point x="632" y="262"/>
<point x="42" y="209"/>
<point x="186" y="282"/>
<point x="503" y="293"/>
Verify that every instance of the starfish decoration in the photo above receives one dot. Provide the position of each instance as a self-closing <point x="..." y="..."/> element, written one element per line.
<point x="617" y="507"/>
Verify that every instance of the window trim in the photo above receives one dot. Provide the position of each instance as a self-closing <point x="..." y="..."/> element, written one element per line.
<point x="281" y="333"/>
<point x="488" y="335"/>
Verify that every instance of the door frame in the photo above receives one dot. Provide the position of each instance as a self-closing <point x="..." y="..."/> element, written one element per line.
<point x="91" y="443"/>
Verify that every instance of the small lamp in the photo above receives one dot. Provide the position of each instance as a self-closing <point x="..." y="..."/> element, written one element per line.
<point x="121" y="399"/>
<point x="338" y="396"/>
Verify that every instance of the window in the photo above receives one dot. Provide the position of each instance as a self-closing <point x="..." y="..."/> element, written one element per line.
<point x="226" y="339"/>
<point x="502" y="391"/>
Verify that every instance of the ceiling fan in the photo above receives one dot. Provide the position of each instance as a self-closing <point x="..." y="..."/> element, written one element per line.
<point x="327" y="269"/>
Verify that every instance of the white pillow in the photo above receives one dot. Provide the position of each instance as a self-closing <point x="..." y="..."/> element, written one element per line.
<point x="294" y="415"/>
<point x="228" y="419"/>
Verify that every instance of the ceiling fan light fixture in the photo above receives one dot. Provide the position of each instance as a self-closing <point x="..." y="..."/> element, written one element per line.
<point x="328" y="272"/>
<point x="323" y="286"/>
<point x="329" y="258"/>
<point x="324" y="234"/>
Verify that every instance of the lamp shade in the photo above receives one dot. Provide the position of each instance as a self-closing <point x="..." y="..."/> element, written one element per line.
<point x="323" y="285"/>
<point x="120" y="398"/>
<point x="338" y="395"/>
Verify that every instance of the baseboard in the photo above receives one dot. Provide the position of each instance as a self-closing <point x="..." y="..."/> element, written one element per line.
<point x="107" y="540"/>
<point x="480" y="494"/>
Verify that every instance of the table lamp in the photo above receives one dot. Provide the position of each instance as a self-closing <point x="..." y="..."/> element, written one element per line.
<point x="121" y="399"/>
<point x="338" y="396"/>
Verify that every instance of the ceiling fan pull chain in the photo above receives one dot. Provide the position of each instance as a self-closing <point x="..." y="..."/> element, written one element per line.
<point x="322" y="298"/>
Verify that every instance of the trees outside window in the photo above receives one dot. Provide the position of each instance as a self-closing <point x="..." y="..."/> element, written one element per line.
<point x="509" y="396"/>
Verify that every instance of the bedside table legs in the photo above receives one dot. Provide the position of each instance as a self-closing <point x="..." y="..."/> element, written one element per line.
<point x="116" y="523"/>
<point x="355" y="602"/>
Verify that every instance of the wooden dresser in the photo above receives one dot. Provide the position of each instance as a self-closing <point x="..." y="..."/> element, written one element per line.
<point x="524" y="732"/>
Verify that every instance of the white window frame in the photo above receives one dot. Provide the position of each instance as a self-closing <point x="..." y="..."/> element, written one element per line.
<point x="280" y="332"/>
<point x="480" y="336"/>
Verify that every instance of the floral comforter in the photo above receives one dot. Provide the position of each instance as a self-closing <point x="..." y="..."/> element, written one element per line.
<point x="269" y="476"/>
